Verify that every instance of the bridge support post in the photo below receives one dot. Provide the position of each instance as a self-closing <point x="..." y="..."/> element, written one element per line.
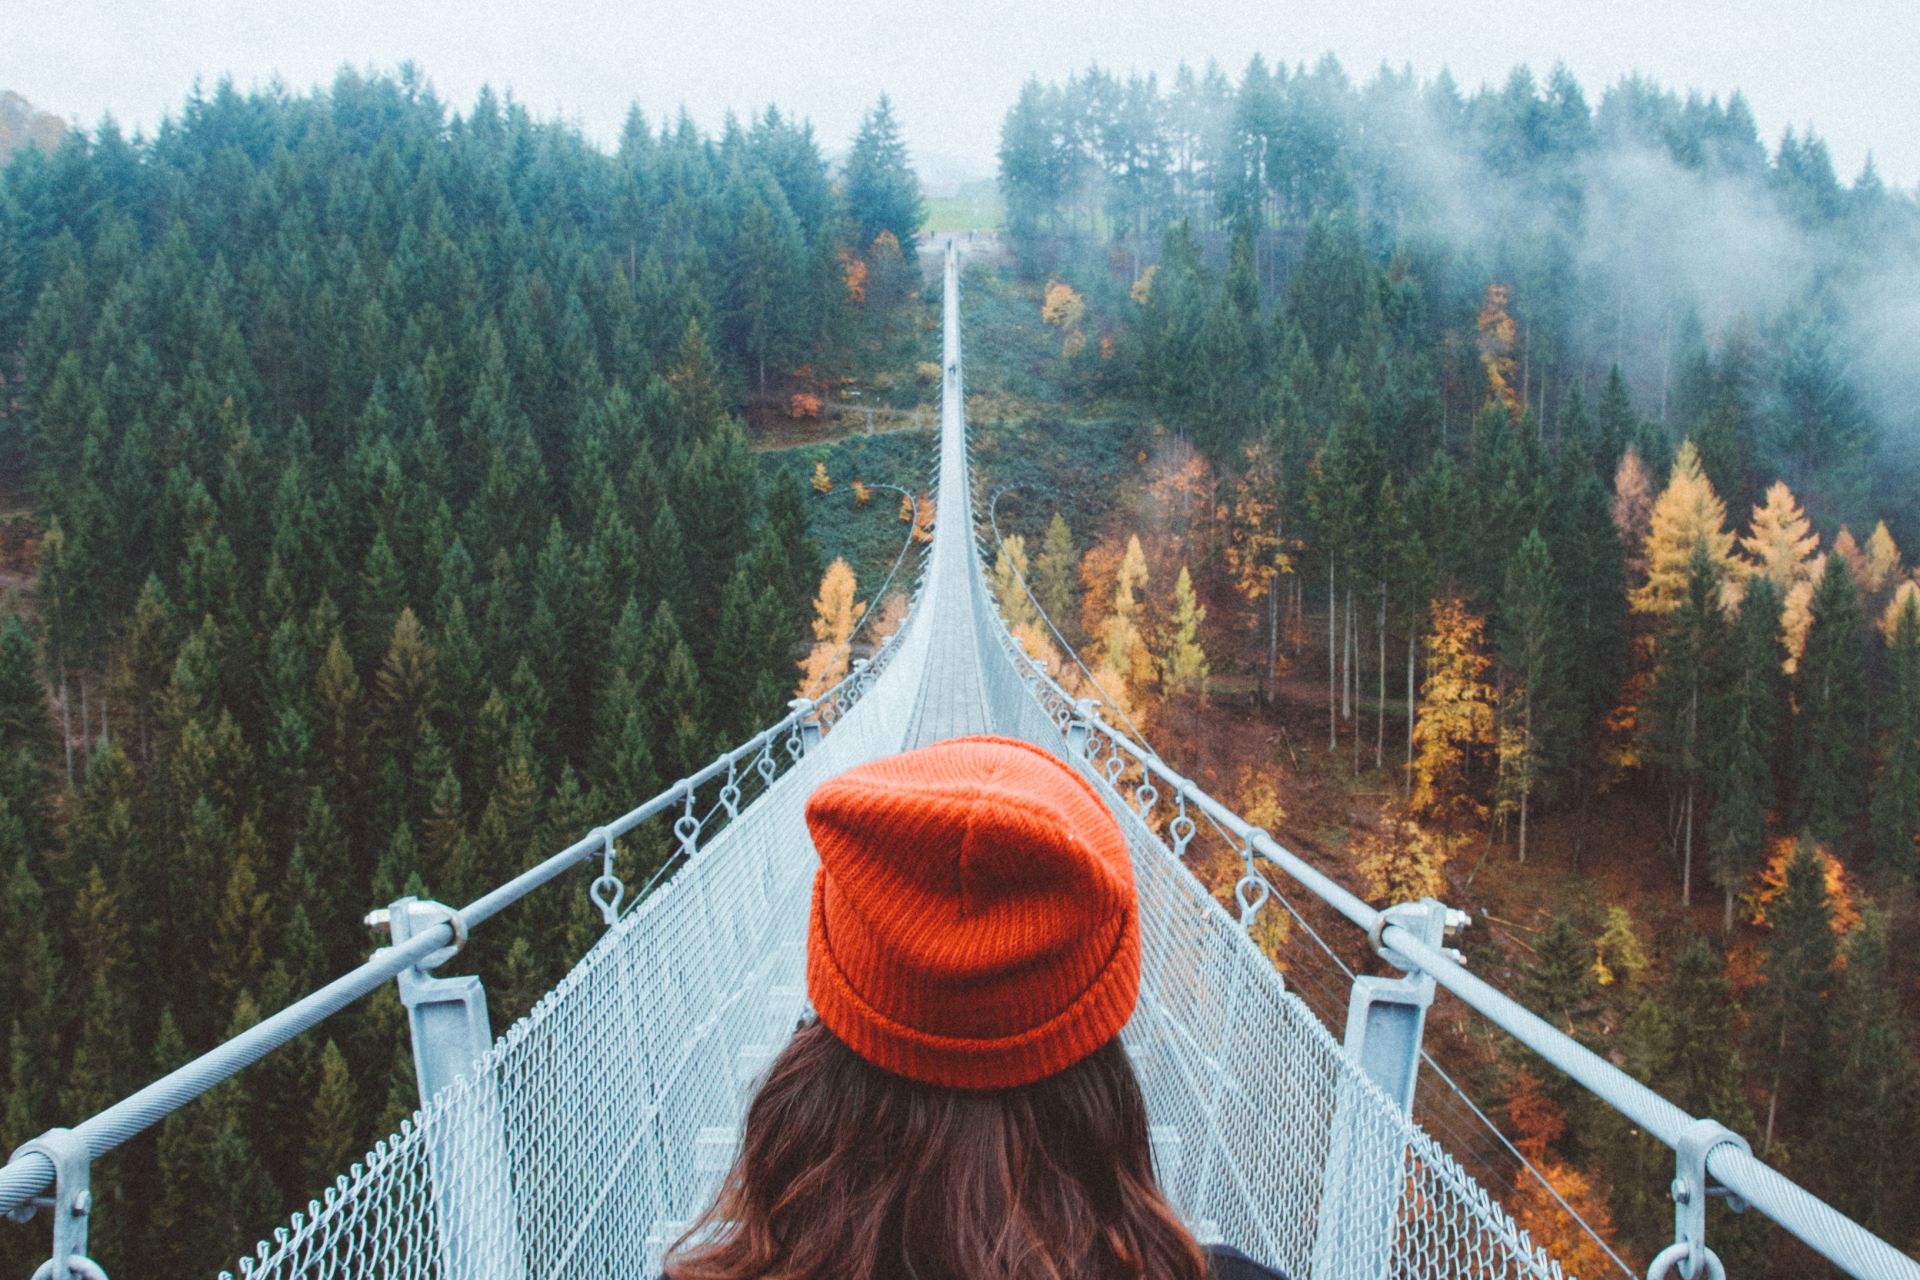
<point x="809" y="726"/>
<point x="1080" y="728"/>
<point x="468" y="1162"/>
<point x="70" y="1202"/>
<point x="1362" y="1184"/>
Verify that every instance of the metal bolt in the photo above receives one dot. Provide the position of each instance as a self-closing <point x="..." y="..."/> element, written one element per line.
<point x="82" y="1204"/>
<point x="1682" y="1191"/>
<point x="379" y="918"/>
<point x="1458" y="919"/>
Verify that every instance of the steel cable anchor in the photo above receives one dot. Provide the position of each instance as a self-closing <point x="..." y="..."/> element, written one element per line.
<point x="1692" y="1186"/>
<point x="70" y="1201"/>
<point x="607" y="889"/>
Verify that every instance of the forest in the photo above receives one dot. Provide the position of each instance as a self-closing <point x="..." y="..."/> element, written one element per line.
<point x="1531" y="477"/>
<point x="385" y="518"/>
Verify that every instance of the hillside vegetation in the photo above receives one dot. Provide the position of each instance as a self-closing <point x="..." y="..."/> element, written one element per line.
<point x="1548" y="467"/>
<point x="393" y="522"/>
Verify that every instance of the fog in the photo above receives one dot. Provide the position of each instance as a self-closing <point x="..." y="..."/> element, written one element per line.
<point x="1846" y="68"/>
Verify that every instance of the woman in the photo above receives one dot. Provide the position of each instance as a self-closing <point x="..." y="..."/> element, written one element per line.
<point x="963" y="1108"/>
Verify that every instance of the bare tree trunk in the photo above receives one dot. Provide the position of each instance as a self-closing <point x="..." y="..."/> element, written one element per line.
<point x="1409" y="778"/>
<point x="1346" y="688"/>
<point x="66" y="723"/>
<point x="1333" y="662"/>
<point x="1773" y="1094"/>
<point x="1526" y="781"/>
<point x="1686" y="866"/>
<point x="1273" y="645"/>
<point x="1726" y="921"/>
<point x="1526" y="794"/>
<point x="1380" y="723"/>
<point x="86" y="721"/>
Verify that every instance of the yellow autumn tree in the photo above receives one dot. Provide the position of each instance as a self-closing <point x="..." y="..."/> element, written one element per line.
<point x="1782" y="547"/>
<point x="822" y="482"/>
<point x="1852" y="556"/>
<point x="1687" y="516"/>
<point x="1633" y="512"/>
<point x="906" y="509"/>
<point x="1402" y="861"/>
<point x="1781" y="542"/>
<point x="1455" y="716"/>
<point x="1255" y="552"/>
<point x="1796" y="614"/>
<point x="1123" y="643"/>
<point x="1883" y="560"/>
<point x="1009" y="572"/>
<point x="1498" y="337"/>
<point x="1906" y="592"/>
<point x="1099" y="567"/>
<point x="1183" y="664"/>
<point x="1065" y="309"/>
<point x="835" y="614"/>
<point x="861" y="494"/>
<point x="1618" y="953"/>
<point x="1142" y="290"/>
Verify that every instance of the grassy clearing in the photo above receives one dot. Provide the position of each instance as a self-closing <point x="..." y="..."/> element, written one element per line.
<point x="969" y="211"/>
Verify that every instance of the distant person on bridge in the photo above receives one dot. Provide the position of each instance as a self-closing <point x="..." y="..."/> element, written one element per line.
<point x="963" y="1108"/>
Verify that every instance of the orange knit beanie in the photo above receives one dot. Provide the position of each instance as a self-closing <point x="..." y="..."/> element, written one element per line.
<point x="974" y="920"/>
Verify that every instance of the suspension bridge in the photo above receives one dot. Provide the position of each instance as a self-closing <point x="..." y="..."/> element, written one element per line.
<point x="584" y="1140"/>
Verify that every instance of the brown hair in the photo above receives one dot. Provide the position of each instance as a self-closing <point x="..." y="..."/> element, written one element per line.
<point x="850" y="1172"/>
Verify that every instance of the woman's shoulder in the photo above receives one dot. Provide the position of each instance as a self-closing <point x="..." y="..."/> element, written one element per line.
<point x="1228" y="1263"/>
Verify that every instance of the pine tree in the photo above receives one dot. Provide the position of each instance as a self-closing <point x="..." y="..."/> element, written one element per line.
<point x="1559" y="983"/>
<point x="1531" y="641"/>
<point x="1872" y="1095"/>
<point x="333" y="1123"/>
<point x="1799" y="965"/>
<point x="1055" y="586"/>
<point x="882" y="191"/>
<point x="1677" y="723"/>
<point x="1745" y="718"/>
<point x="1831" y="729"/>
<point x="1895" y="806"/>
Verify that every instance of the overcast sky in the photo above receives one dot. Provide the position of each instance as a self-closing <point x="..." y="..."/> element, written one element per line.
<point x="1851" y="68"/>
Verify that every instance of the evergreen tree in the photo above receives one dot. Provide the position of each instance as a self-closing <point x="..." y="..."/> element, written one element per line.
<point x="1799" y="965"/>
<point x="882" y="191"/>
<point x="1895" y="808"/>
<point x="1745" y="716"/>
<point x="1677" y="721"/>
<point x="1831" y="729"/>
<point x="1055" y="582"/>
<point x="1531" y="640"/>
<point x="1871" y="1097"/>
